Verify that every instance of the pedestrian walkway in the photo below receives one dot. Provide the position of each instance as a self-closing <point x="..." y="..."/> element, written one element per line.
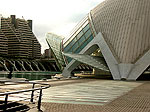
<point x="98" y="96"/>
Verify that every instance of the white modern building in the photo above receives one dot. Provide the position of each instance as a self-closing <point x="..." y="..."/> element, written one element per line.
<point x="120" y="31"/>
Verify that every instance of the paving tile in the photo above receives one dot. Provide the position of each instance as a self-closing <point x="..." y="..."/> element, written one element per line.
<point x="97" y="92"/>
<point x="135" y="99"/>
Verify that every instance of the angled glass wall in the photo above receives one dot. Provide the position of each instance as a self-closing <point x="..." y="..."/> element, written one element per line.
<point x="80" y="37"/>
<point x="55" y="43"/>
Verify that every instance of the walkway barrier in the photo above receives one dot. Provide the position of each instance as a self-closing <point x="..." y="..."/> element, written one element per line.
<point x="22" y="100"/>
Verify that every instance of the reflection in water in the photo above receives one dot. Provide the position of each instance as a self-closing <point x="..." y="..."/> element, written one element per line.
<point x="32" y="75"/>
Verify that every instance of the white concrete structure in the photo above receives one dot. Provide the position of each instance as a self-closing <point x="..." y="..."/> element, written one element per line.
<point x="123" y="35"/>
<point x="118" y="70"/>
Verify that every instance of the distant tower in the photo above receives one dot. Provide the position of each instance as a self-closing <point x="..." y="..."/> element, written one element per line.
<point x="47" y="53"/>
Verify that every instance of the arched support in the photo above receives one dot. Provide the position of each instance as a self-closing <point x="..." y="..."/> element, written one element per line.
<point x="4" y="65"/>
<point x="29" y="64"/>
<point x="35" y="63"/>
<point x="54" y="67"/>
<point x="73" y="64"/>
<point x="42" y="66"/>
<point x="13" y="64"/>
<point x="69" y="68"/>
<point x="66" y="73"/>
<point x="126" y="71"/>
<point x="118" y="70"/>
<point x="22" y="65"/>
<point x="139" y="67"/>
<point x="109" y="56"/>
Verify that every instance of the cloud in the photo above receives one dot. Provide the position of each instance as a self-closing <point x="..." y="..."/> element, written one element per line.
<point x="56" y="16"/>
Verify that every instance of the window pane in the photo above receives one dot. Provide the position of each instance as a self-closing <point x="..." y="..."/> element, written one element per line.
<point x="67" y="48"/>
<point x="88" y="33"/>
<point x="81" y="39"/>
<point x="83" y="45"/>
<point x="75" y="46"/>
<point x="70" y="50"/>
<point x="90" y="38"/>
<point x="77" y="50"/>
<point x="86" y="28"/>
<point x="72" y="42"/>
<point x="79" y="35"/>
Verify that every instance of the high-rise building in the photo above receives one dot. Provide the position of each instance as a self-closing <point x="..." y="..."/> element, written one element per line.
<point x="119" y="31"/>
<point x="17" y="38"/>
<point x="47" y="53"/>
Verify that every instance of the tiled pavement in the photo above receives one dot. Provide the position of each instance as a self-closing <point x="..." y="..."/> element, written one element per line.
<point x="97" y="96"/>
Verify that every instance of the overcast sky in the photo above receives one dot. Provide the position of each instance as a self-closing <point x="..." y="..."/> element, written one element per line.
<point x="55" y="16"/>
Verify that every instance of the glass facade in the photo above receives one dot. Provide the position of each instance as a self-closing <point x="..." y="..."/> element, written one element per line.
<point x="94" y="61"/>
<point x="55" y="43"/>
<point x="80" y="38"/>
<point x="82" y="34"/>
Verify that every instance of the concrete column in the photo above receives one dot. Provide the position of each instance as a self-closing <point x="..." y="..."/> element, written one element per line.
<point x="36" y="66"/>
<point x="13" y="64"/>
<point x="140" y="66"/>
<point x="29" y="64"/>
<point x="69" y="68"/>
<point x="5" y="66"/>
<point x="21" y="64"/>
<point x="109" y="56"/>
<point x="42" y="66"/>
<point x="3" y="63"/>
<point x="126" y="71"/>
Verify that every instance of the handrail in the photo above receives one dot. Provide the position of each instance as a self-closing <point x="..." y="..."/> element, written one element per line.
<point x="27" y="90"/>
<point x="32" y="96"/>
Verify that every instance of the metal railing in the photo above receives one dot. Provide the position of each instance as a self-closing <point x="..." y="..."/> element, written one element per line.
<point x="22" y="100"/>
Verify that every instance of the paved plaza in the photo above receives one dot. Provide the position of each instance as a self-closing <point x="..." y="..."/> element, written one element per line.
<point x="98" y="92"/>
<point x="95" y="95"/>
<point x="91" y="95"/>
